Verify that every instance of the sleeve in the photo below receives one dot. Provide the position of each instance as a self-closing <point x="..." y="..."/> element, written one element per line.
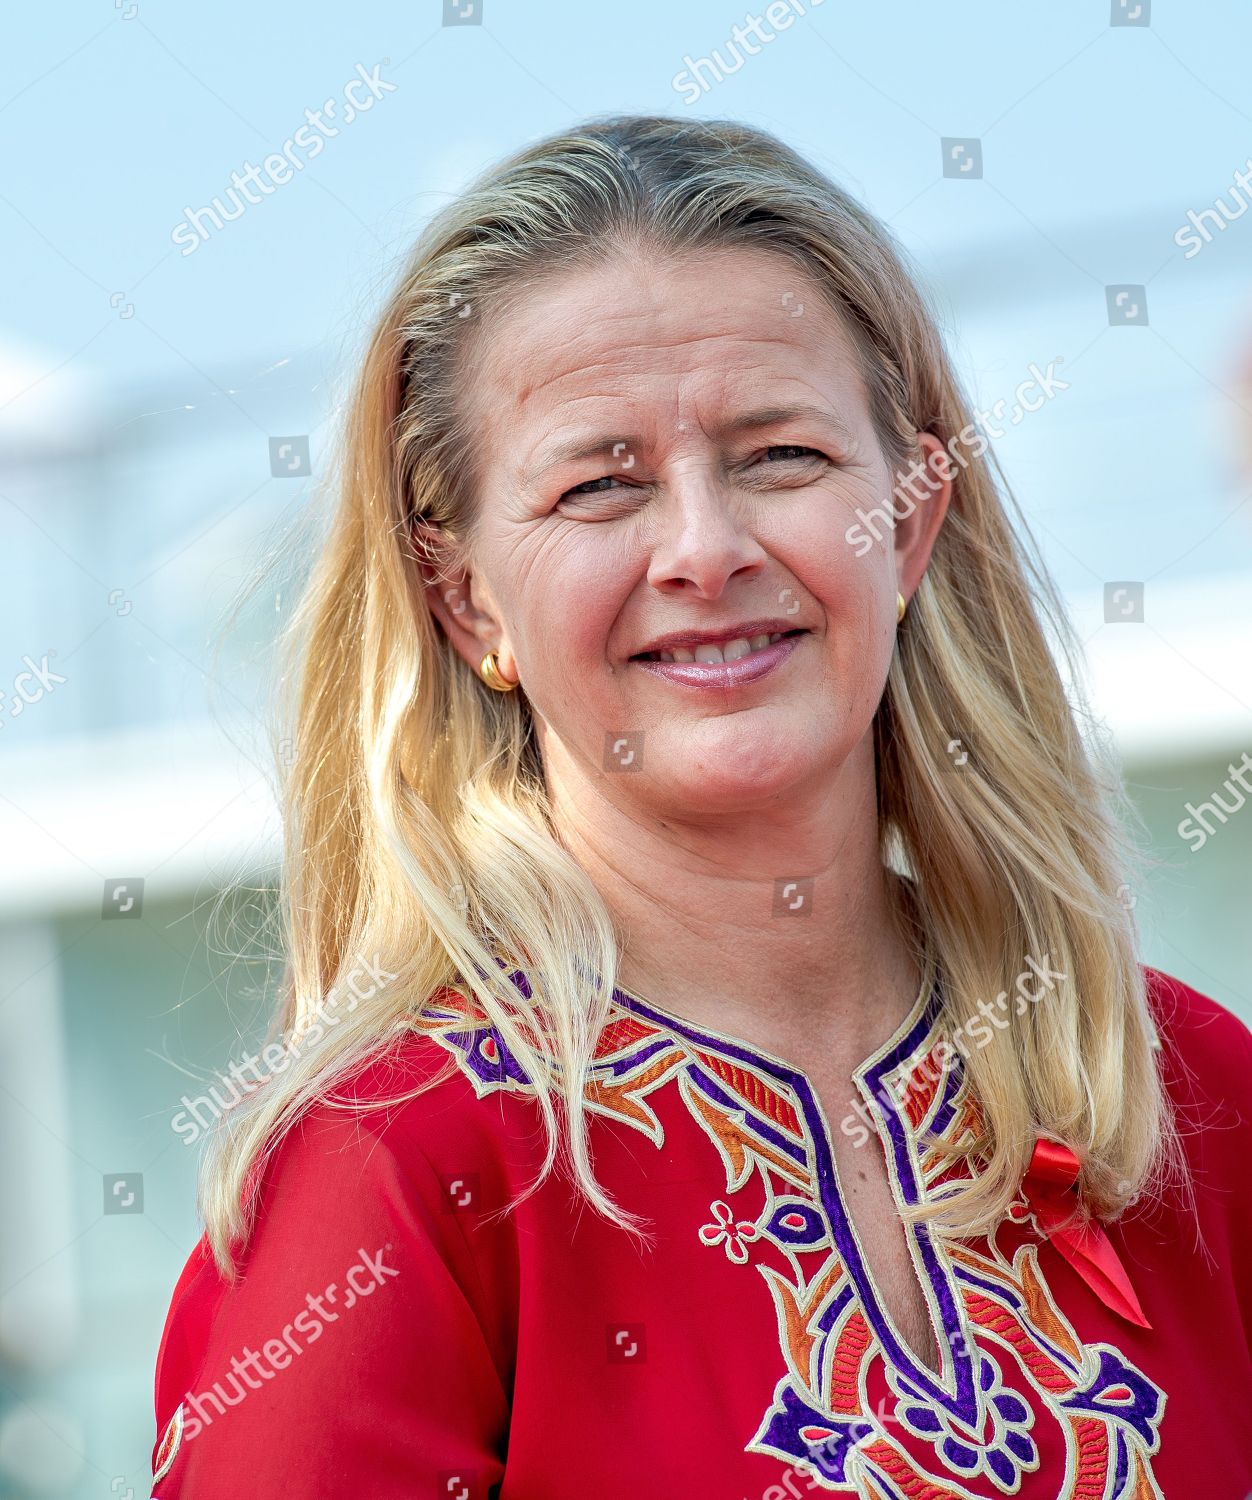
<point x="350" y="1357"/>
<point x="1207" y="1067"/>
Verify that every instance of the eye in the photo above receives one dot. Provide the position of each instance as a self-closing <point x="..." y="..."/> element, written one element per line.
<point x="780" y="453"/>
<point x="790" y="452"/>
<point x="592" y="486"/>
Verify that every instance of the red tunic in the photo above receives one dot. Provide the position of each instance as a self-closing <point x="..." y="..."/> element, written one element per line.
<point x="394" y="1335"/>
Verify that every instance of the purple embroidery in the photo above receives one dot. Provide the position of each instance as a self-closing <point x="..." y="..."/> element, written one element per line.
<point x="1139" y="1406"/>
<point x="797" y="1224"/>
<point x="1006" y="1450"/>
<point x="826" y="1442"/>
<point x="487" y="1056"/>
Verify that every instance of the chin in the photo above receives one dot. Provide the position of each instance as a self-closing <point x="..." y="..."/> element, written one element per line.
<point x="739" y="774"/>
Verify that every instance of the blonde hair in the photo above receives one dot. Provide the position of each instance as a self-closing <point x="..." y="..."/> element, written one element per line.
<point x="416" y="826"/>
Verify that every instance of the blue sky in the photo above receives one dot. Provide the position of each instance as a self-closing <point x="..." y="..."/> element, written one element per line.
<point x="113" y="126"/>
<point x="116" y="119"/>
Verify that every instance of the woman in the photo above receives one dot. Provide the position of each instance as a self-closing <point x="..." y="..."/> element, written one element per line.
<point x="755" y="1091"/>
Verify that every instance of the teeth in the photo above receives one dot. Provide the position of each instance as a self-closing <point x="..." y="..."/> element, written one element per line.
<point x="732" y="651"/>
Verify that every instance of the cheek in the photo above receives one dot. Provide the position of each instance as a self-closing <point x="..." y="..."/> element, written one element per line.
<point x="854" y="600"/>
<point x="847" y="588"/>
<point x="566" y="593"/>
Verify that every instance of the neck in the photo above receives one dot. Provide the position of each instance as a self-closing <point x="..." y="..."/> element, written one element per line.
<point x="779" y="925"/>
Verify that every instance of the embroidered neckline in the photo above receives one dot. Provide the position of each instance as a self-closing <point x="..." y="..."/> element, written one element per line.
<point x="854" y="1406"/>
<point x="928" y="1001"/>
<point x="912" y="1039"/>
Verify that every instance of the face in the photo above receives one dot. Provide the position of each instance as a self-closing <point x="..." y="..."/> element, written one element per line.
<point x="672" y="452"/>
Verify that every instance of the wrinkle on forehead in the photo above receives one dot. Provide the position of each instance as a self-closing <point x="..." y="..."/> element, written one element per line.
<point x="626" y="360"/>
<point x="588" y="337"/>
<point x="564" y="329"/>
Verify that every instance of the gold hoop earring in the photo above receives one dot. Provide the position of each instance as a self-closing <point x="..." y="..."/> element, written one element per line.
<point x="901" y="605"/>
<point x="489" y="671"/>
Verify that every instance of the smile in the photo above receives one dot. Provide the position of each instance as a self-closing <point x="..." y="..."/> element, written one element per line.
<point x="712" y="651"/>
<point x="721" y="665"/>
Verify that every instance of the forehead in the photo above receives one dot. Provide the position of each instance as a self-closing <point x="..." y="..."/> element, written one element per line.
<point x="684" y="333"/>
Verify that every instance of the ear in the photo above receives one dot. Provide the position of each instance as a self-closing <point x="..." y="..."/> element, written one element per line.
<point x="457" y="601"/>
<point x="921" y="500"/>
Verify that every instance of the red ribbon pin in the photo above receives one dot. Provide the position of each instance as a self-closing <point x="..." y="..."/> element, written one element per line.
<point x="1050" y="1191"/>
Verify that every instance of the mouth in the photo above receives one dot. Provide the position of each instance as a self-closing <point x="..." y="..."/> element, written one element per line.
<point x="729" y="648"/>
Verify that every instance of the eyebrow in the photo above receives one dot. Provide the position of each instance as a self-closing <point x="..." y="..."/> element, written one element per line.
<point x="765" y="416"/>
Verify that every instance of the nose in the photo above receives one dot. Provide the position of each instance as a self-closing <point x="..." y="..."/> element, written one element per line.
<point x="705" y="539"/>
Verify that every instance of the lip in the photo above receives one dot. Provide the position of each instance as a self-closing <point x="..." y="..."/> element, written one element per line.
<point x="745" y="630"/>
<point x="722" y="674"/>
